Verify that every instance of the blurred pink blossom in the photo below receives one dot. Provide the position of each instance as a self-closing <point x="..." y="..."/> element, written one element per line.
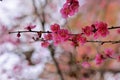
<point x="99" y="59"/>
<point x="109" y="52"/>
<point x="85" y="64"/>
<point x="45" y="44"/>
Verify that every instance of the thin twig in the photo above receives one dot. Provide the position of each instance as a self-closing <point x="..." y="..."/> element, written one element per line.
<point x="30" y="32"/>
<point x="114" y="27"/>
<point x="102" y="42"/>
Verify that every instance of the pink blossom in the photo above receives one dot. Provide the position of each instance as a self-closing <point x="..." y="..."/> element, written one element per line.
<point x="60" y="36"/>
<point x="30" y="26"/>
<point x="63" y="34"/>
<point x="118" y="31"/>
<point x="65" y="11"/>
<point x="55" y="27"/>
<point x="118" y="58"/>
<point x="88" y="30"/>
<point x="109" y="52"/>
<point x="69" y="8"/>
<point x="102" y="29"/>
<point x="74" y="7"/>
<point x="99" y="59"/>
<point x="45" y="44"/>
<point x="48" y="36"/>
<point x="56" y="39"/>
<point x="85" y="64"/>
<point x="80" y="38"/>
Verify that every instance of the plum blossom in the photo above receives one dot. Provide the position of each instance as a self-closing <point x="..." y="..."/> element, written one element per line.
<point x="55" y="27"/>
<point x="101" y="29"/>
<point x="85" y="64"/>
<point x="69" y="8"/>
<point x="60" y="36"/>
<point x="74" y="6"/>
<point x="109" y="52"/>
<point x="118" y="31"/>
<point x="118" y="58"/>
<point x="48" y="36"/>
<point x="82" y="40"/>
<point x="98" y="29"/>
<point x="63" y="34"/>
<point x="88" y="30"/>
<point x="99" y="59"/>
<point x="56" y="39"/>
<point x="30" y="27"/>
<point x="65" y="11"/>
<point x="78" y="38"/>
<point x="45" y="44"/>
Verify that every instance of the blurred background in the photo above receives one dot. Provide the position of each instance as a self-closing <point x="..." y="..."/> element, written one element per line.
<point x="24" y="59"/>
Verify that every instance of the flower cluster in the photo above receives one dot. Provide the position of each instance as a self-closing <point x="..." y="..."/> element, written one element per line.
<point x="88" y="30"/>
<point x="108" y="53"/>
<point x="57" y="35"/>
<point x="99" y="58"/>
<point x="102" y="29"/>
<point x="98" y="29"/>
<point x="69" y="8"/>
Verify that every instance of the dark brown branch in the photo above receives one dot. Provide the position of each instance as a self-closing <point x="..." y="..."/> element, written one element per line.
<point x="55" y="61"/>
<point x="114" y="27"/>
<point x="51" y="32"/>
<point x="30" y="32"/>
<point x="102" y="42"/>
<point x="43" y="15"/>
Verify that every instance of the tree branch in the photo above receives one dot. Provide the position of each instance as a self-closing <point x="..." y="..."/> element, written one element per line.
<point x="55" y="61"/>
<point x="102" y="42"/>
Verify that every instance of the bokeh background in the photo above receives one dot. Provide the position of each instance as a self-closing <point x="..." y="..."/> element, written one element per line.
<point x="25" y="59"/>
